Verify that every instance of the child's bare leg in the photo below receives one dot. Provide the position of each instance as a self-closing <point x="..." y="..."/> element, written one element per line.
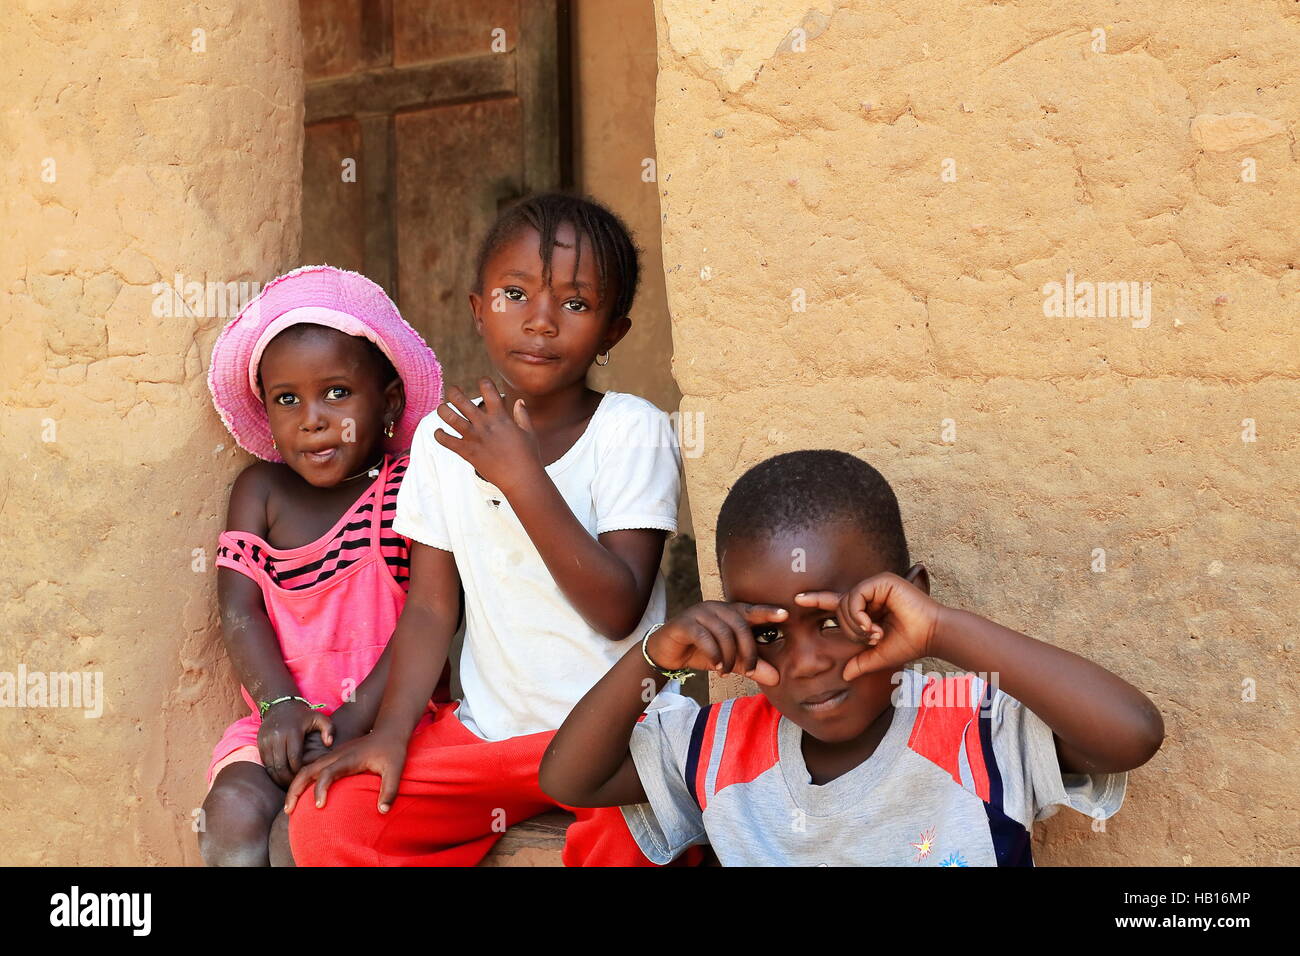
<point x="281" y="855"/>
<point x="237" y="815"/>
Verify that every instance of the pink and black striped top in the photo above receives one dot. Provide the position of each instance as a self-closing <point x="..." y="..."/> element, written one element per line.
<point x="297" y="569"/>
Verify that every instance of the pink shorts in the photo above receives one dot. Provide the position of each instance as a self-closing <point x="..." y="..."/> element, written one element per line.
<point x="248" y="753"/>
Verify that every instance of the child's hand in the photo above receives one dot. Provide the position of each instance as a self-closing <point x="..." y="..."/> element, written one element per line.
<point x="715" y="635"/>
<point x="497" y="441"/>
<point x="895" y="619"/>
<point x="382" y="754"/>
<point x="346" y="727"/>
<point x="313" y="747"/>
<point x="282" y="735"/>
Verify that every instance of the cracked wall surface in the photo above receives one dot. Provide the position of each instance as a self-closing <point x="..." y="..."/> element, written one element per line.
<point x="919" y="173"/>
<point x="131" y="157"/>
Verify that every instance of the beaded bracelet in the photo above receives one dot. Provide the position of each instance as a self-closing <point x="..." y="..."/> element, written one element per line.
<point x="671" y="675"/>
<point x="264" y="705"/>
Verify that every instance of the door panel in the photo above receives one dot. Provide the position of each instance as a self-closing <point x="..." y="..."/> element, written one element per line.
<point x="428" y="30"/>
<point x="442" y="129"/>
<point x="439" y="150"/>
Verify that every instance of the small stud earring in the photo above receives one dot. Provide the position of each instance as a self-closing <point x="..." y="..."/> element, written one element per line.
<point x="389" y="428"/>
<point x="604" y="363"/>
<point x="273" y="444"/>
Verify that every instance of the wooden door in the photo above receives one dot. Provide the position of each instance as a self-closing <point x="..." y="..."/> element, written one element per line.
<point x="424" y="117"/>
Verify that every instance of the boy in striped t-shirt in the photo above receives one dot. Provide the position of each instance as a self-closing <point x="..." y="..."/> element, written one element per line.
<point x="845" y="759"/>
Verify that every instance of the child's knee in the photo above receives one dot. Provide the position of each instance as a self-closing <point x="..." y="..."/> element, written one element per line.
<point x="278" y="849"/>
<point x="237" y="817"/>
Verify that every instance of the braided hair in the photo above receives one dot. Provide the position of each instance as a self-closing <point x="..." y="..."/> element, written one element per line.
<point x="616" y="255"/>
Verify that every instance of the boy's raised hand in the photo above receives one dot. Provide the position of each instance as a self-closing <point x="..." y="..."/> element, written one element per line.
<point x="499" y="442"/>
<point x="894" y="618"/>
<point x="716" y="635"/>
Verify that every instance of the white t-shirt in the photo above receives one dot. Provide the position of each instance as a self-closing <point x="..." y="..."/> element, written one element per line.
<point x="528" y="656"/>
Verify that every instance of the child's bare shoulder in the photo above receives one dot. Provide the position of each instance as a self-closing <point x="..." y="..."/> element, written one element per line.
<point x="249" y="495"/>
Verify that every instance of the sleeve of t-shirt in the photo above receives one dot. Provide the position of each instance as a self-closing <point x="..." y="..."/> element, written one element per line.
<point x="638" y="477"/>
<point x="670" y="820"/>
<point x="1032" y="783"/>
<point x="419" y="503"/>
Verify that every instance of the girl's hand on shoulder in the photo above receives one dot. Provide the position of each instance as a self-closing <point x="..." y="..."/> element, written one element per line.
<point x="895" y="619"/>
<point x="717" y="636"/>
<point x="380" y="754"/>
<point x="281" y="738"/>
<point x="499" y="442"/>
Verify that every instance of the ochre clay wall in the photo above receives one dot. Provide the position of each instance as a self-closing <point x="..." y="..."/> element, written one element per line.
<point x="816" y="161"/>
<point x="614" y="98"/>
<point x="614" y="65"/>
<point x="129" y="157"/>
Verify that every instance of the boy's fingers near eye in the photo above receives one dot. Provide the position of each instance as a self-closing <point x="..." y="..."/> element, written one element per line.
<point x="765" y="674"/>
<point x="860" y="664"/>
<point x="705" y="644"/>
<point x="762" y="613"/>
<point x="725" y="642"/>
<point x="749" y="663"/>
<point x="736" y="624"/>
<point x="823" y="600"/>
<point x="852" y="612"/>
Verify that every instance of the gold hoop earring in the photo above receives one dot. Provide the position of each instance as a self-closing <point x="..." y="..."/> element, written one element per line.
<point x="599" y="362"/>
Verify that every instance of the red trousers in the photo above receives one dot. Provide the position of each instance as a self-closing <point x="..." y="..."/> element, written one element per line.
<point x="457" y="795"/>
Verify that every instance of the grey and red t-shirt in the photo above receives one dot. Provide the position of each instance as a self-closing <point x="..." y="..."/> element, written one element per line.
<point x="959" y="778"/>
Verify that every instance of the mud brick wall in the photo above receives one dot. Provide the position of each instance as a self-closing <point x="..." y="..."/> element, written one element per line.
<point x="865" y="207"/>
<point x="134" y="150"/>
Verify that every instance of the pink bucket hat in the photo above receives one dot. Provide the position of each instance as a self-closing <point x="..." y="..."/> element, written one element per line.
<point x="322" y="295"/>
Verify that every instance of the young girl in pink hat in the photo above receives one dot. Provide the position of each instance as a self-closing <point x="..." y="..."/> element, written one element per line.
<point x="321" y="378"/>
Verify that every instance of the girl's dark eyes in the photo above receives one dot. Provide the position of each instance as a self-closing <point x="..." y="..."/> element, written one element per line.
<point x="516" y="294"/>
<point x="334" y="393"/>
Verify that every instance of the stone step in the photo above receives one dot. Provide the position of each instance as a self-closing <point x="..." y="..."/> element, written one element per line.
<point x="535" y="842"/>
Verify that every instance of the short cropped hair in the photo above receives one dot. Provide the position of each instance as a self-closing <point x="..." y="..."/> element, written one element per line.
<point x="801" y="490"/>
<point x="616" y="255"/>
